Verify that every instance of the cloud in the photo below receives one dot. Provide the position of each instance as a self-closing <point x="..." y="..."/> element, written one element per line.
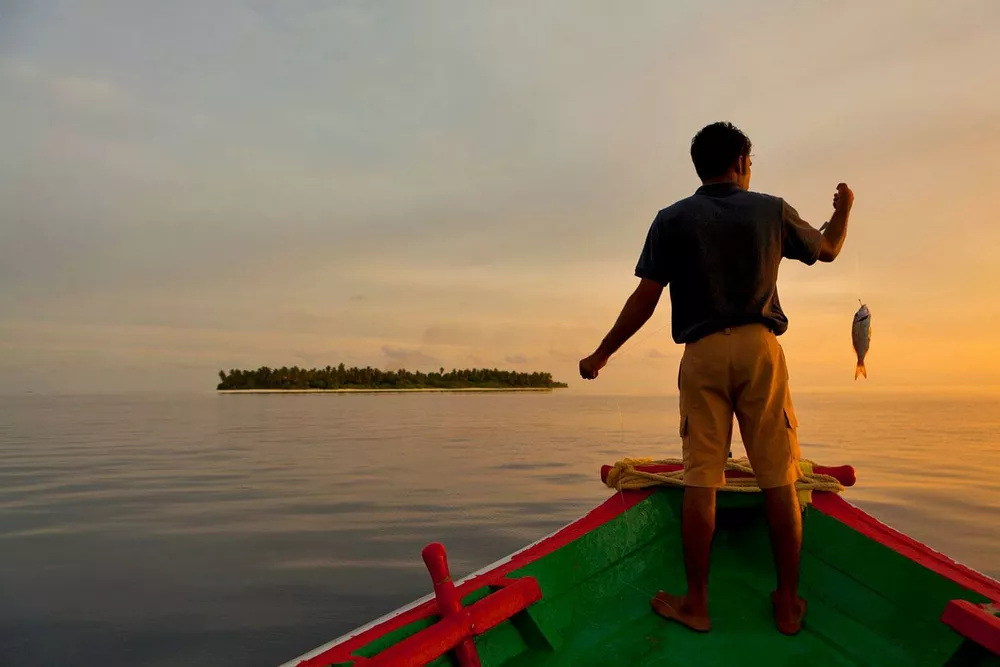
<point x="78" y="90"/>
<point x="410" y="359"/>
<point x="452" y="333"/>
<point x="473" y="360"/>
<point x="566" y="355"/>
<point x="332" y="181"/>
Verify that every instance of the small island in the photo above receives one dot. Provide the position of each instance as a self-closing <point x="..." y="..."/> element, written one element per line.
<point x="340" y="379"/>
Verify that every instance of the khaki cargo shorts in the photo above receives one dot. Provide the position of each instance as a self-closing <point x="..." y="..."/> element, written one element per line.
<point x="742" y="372"/>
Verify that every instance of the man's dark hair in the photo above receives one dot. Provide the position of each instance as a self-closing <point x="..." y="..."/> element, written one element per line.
<point x="716" y="147"/>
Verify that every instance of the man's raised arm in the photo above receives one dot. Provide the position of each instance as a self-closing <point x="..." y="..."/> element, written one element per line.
<point x="835" y="231"/>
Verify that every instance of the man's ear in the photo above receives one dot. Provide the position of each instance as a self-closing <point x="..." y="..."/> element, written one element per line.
<point x="741" y="165"/>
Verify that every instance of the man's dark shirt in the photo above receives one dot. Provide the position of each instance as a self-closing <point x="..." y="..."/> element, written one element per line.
<point x="719" y="251"/>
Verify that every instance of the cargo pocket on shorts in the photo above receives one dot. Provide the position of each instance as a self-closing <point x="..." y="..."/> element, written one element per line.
<point x="792" y="428"/>
<point x="791" y="421"/>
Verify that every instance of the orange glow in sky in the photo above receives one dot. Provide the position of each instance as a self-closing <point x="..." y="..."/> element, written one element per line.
<point x="471" y="186"/>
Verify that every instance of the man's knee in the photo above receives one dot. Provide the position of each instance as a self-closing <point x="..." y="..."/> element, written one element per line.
<point x="780" y="496"/>
<point x="700" y="500"/>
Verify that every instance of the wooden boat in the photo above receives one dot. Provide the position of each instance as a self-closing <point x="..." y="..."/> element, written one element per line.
<point x="580" y="597"/>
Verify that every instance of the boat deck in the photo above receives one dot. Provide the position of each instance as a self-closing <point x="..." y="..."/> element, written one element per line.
<point x="868" y="603"/>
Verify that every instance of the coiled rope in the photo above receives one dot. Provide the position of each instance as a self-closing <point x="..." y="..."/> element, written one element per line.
<point x="625" y="476"/>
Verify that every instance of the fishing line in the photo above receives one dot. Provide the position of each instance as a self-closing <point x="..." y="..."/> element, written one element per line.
<point x="630" y="531"/>
<point x="857" y="273"/>
<point x="637" y="344"/>
<point x="617" y="355"/>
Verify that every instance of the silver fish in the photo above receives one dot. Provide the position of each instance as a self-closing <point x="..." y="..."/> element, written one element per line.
<point x="861" y="336"/>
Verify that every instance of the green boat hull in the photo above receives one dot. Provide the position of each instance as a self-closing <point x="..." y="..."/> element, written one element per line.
<point x="875" y="597"/>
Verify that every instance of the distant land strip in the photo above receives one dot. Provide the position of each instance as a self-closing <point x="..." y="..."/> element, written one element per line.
<point x="340" y="379"/>
<point x="467" y="390"/>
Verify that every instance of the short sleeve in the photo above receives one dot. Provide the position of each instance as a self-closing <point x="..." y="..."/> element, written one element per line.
<point x="799" y="239"/>
<point x="653" y="263"/>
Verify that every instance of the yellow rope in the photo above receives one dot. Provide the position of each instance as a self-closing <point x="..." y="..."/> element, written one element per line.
<point x="625" y="476"/>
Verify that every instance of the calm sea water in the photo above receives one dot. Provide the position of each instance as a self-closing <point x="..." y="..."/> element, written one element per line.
<point x="245" y="530"/>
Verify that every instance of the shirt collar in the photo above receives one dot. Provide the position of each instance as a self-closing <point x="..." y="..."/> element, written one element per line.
<point x="718" y="189"/>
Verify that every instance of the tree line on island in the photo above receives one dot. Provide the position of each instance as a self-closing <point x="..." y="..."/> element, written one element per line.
<point x="341" y="377"/>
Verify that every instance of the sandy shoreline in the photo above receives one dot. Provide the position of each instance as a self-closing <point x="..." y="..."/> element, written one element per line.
<point x="466" y="390"/>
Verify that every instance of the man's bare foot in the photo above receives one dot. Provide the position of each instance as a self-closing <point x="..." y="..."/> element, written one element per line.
<point x="676" y="608"/>
<point x="788" y="613"/>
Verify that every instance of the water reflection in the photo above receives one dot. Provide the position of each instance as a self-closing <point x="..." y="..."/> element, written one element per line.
<point x="247" y="529"/>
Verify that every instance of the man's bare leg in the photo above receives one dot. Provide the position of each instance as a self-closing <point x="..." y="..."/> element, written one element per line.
<point x="697" y="529"/>
<point x="784" y="518"/>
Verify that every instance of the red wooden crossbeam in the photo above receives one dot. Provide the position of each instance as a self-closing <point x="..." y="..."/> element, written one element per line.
<point x="458" y="625"/>
<point x="843" y="474"/>
<point x="974" y="622"/>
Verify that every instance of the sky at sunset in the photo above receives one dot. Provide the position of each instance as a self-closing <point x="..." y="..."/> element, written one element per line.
<point x="189" y="186"/>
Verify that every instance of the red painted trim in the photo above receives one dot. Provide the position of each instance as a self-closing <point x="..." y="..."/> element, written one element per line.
<point x="843" y="474"/>
<point x="836" y="507"/>
<point x="602" y="514"/>
<point x="973" y="622"/>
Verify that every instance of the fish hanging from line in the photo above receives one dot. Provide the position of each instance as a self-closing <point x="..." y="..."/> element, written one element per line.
<point x="861" y="336"/>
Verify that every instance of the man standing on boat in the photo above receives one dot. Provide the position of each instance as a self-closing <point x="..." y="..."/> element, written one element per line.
<point x="719" y="252"/>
